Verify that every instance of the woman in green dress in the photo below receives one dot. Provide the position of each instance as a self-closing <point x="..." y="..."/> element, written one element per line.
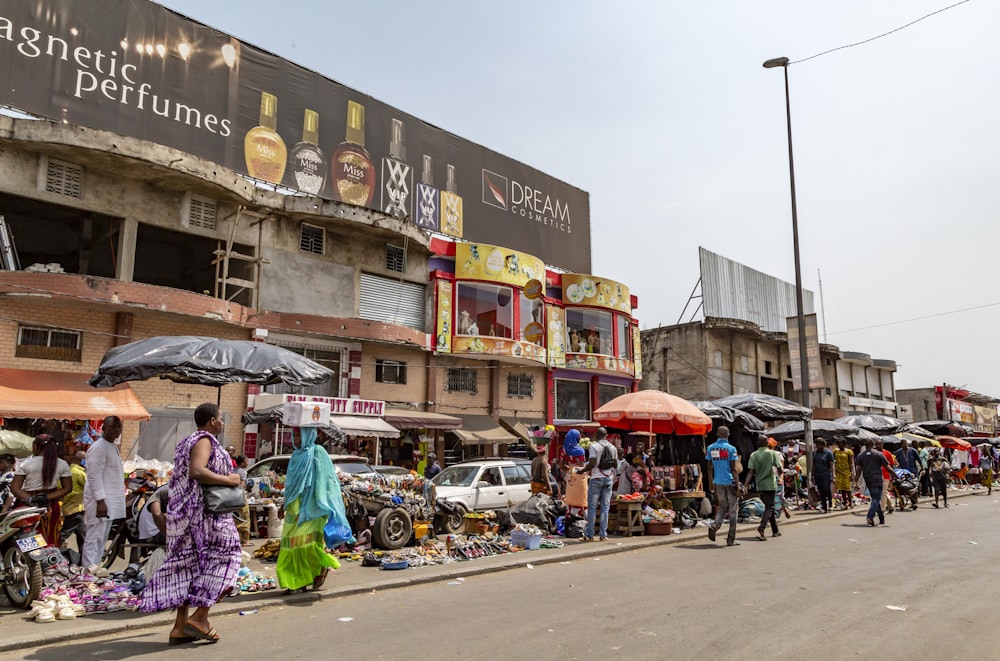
<point x="312" y="494"/>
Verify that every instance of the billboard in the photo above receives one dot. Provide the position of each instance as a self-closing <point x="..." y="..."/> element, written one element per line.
<point x="735" y="291"/>
<point x="815" y="366"/>
<point x="138" y="69"/>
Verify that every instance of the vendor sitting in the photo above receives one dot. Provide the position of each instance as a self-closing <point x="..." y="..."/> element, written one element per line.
<point x="153" y="518"/>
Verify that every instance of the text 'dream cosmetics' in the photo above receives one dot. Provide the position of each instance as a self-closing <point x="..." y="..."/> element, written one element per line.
<point x="428" y="199"/>
<point x="451" y="206"/>
<point x="308" y="163"/>
<point x="263" y="149"/>
<point x="397" y="175"/>
<point x="351" y="167"/>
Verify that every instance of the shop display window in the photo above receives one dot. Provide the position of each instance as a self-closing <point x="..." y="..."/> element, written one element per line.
<point x="624" y="337"/>
<point x="572" y="400"/>
<point x="484" y="310"/>
<point x="588" y="331"/>
<point x="607" y="391"/>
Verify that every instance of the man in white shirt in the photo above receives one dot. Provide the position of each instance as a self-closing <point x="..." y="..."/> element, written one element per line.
<point x="104" y="493"/>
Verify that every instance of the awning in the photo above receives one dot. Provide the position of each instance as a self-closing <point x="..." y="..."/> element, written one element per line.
<point x="482" y="430"/>
<point x="408" y="419"/>
<point x="358" y="425"/>
<point x="64" y="396"/>
<point x="519" y="427"/>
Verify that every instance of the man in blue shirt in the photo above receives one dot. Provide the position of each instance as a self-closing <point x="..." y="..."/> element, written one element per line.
<point x="724" y="478"/>
<point x="909" y="459"/>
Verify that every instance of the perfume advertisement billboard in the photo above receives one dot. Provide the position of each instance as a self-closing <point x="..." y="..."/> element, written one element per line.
<point x="138" y="69"/>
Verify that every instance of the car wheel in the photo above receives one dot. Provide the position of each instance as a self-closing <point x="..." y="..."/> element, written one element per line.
<point x="393" y="528"/>
<point x="451" y="523"/>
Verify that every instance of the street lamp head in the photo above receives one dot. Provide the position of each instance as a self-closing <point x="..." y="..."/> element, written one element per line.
<point x="776" y="62"/>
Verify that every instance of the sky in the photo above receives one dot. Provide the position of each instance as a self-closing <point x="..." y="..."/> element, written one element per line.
<point x="662" y="111"/>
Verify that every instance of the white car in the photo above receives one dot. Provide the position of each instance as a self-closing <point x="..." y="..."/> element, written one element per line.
<point x="484" y="484"/>
<point x="343" y="463"/>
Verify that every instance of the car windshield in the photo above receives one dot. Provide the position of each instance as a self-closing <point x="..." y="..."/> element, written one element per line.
<point x="352" y="467"/>
<point x="456" y="476"/>
<point x="258" y="469"/>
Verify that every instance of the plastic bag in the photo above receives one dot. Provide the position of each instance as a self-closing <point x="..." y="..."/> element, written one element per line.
<point x="336" y="533"/>
<point x="537" y="510"/>
<point x="576" y="528"/>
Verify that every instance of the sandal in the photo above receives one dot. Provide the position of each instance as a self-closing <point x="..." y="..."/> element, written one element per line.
<point x="210" y="636"/>
<point x="321" y="579"/>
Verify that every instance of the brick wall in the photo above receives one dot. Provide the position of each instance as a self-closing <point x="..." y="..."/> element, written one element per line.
<point x="461" y="402"/>
<point x="415" y="388"/>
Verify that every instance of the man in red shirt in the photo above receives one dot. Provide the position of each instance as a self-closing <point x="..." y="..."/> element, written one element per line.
<point x="887" y="501"/>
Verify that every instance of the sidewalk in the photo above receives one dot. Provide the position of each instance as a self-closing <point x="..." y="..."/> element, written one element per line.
<point x="352" y="578"/>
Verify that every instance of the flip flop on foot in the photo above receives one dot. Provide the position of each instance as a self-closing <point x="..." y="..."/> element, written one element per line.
<point x="210" y="636"/>
<point x="321" y="579"/>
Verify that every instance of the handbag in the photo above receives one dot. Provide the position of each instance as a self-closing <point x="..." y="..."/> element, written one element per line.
<point x="221" y="499"/>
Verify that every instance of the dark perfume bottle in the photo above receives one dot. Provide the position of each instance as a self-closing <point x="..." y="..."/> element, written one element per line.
<point x="428" y="199"/>
<point x="308" y="163"/>
<point x="351" y="165"/>
<point x="397" y="175"/>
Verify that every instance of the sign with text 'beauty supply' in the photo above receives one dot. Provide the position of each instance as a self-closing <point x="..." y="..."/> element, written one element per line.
<point x="138" y="69"/>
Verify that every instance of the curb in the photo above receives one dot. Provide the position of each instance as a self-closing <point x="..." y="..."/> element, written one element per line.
<point x="433" y="574"/>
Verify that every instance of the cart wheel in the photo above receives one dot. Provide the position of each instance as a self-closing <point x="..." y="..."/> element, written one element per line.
<point x="451" y="523"/>
<point x="393" y="528"/>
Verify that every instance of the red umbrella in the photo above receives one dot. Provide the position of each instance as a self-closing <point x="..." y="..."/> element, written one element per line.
<point x="954" y="443"/>
<point x="655" y="412"/>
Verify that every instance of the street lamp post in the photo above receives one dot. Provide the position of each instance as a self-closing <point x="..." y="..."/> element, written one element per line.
<point x="803" y="357"/>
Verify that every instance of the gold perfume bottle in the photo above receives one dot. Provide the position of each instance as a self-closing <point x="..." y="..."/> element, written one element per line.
<point x="263" y="149"/>
<point x="451" y="206"/>
<point x="352" y="170"/>
<point x="308" y="163"/>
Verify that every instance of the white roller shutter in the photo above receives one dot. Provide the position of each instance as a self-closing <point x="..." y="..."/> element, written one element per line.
<point x="392" y="301"/>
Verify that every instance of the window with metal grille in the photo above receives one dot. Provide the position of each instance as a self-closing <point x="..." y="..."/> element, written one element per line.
<point x="64" y="178"/>
<point x="48" y="343"/>
<point x="520" y="386"/>
<point x="395" y="258"/>
<point x="202" y="212"/>
<point x="390" y="371"/>
<point x="311" y="239"/>
<point x="462" y="379"/>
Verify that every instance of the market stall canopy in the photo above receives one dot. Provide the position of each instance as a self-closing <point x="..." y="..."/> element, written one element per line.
<point x="519" y="428"/>
<point x="828" y="430"/>
<point x="765" y="407"/>
<point x="15" y="443"/>
<point x="726" y="415"/>
<point x="945" y="427"/>
<point x="63" y="396"/>
<point x="409" y="419"/>
<point x="873" y="422"/>
<point x="654" y="411"/>
<point x="912" y="439"/>
<point x="207" y="361"/>
<point x="914" y="430"/>
<point x="863" y="435"/>
<point x="359" y="425"/>
<point x="482" y="430"/>
<point x="954" y="443"/>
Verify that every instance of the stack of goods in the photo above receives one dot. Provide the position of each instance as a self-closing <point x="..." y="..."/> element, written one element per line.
<point x="526" y="536"/>
<point x="480" y="523"/>
<point x="658" y="521"/>
<point x="412" y="493"/>
<point x="70" y="592"/>
<point x="268" y="550"/>
<point x="251" y="581"/>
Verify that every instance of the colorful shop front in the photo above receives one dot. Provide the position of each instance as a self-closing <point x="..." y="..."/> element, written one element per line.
<point x="593" y="346"/>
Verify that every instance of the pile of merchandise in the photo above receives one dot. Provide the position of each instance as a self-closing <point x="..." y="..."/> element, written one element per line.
<point x="250" y="581"/>
<point x="70" y="592"/>
<point x="650" y="515"/>
<point x="410" y="492"/>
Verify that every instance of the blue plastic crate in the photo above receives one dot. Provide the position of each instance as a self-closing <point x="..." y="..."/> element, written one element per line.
<point x="524" y="540"/>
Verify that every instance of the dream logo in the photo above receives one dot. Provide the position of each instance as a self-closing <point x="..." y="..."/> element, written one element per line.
<point x="525" y="201"/>
<point x="495" y="190"/>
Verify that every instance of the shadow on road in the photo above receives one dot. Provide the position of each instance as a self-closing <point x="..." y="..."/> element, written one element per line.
<point x="709" y="545"/>
<point x="112" y="650"/>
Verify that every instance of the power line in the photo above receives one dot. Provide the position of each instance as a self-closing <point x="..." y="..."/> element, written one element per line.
<point x="885" y="34"/>
<point x="926" y="316"/>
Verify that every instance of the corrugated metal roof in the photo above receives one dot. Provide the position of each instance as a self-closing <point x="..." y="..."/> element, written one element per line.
<point x="736" y="291"/>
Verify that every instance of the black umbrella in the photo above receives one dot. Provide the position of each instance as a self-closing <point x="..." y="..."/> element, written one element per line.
<point x="725" y="415"/>
<point x="918" y="431"/>
<point x="765" y="407"/>
<point x="945" y="428"/>
<point x="207" y="361"/>
<point x="874" y="422"/>
<point x="827" y="430"/>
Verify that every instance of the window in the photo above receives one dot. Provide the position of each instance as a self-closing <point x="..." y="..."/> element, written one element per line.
<point x="491" y="476"/>
<point x="390" y="371"/>
<point x="788" y="371"/>
<point x="395" y="258"/>
<point x="392" y="301"/>
<point x="828" y="391"/>
<point x="588" y="331"/>
<point x="64" y="178"/>
<point x="485" y="310"/>
<point x="311" y="239"/>
<point x="744" y="364"/>
<point x="48" y="343"/>
<point x="521" y="386"/>
<point x="199" y="211"/>
<point x="829" y="362"/>
<point x="606" y="392"/>
<point x="768" y="367"/>
<point x="328" y="357"/>
<point x="462" y="379"/>
<point x="572" y="400"/>
<point x="514" y="475"/>
<point x="624" y="338"/>
<point x="718" y="358"/>
<point x="531" y="311"/>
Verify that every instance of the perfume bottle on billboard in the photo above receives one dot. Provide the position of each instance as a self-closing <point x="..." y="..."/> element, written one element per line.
<point x="351" y="166"/>
<point x="263" y="149"/>
<point x="451" y="206"/>
<point x="397" y="175"/>
<point x="428" y="204"/>
<point x="308" y="163"/>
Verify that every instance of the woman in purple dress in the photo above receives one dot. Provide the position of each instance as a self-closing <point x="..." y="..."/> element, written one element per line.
<point x="203" y="550"/>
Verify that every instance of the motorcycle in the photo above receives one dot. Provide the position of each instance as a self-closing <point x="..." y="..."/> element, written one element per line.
<point x="22" y="552"/>
<point x="125" y="532"/>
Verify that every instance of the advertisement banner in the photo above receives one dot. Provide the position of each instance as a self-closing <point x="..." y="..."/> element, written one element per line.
<point x="590" y="361"/>
<point x="599" y="292"/>
<point x="135" y="68"/>
<point x="477" y="261"/>
<point x="985" y="419"/>
<point x="637" y="351"/>
<point x="960" y="411"/>
<point x="812" y="353"/>
<point x="442" y="317"/>
<point x="555" y="318"/>
<point x="497" y="346"/>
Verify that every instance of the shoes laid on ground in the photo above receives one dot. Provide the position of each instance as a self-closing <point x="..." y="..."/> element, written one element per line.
<point x="760" y="536"/>
<point x="735" y="542"/>
<point x="711" y="533"/>
<point x="870" y="522"/>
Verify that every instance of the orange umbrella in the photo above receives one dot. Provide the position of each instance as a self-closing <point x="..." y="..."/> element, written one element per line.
<point x="954" y="443"/>
<point x="654" y="411"/>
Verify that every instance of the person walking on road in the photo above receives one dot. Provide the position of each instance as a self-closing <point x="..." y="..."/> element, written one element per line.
<point x="823" y="461"/>
<point x="887" y="476"/>
<point x="924" y="452"/>
<point x="986" y="469"/>
<point x="601" y="466"/>
<point x="723" y="475"/>
<point x="762" y="465"/>
<point x="872" y="464"/>
<point x="909" y="459"/>
<point x="845" y="474"/>
<point x="104" y="492"/>
<point x="939" y="468"/>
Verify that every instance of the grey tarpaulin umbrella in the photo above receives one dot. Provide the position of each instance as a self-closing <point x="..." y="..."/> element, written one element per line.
<point x="873" y="422"/>
<point x="824" y="429"/>
<point x="726" y="415"/>
<point x="765" y="407"/>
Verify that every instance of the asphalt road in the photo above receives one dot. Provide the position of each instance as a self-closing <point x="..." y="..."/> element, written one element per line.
<point x="821" y="591"/>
